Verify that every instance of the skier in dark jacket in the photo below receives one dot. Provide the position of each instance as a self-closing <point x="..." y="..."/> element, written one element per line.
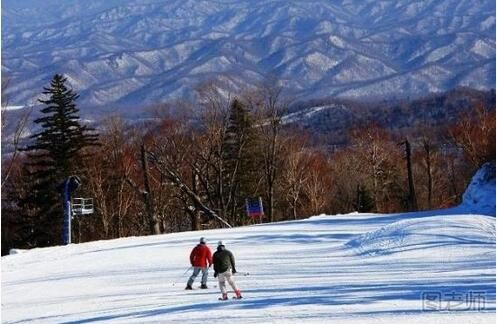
<point x="224" y="268"/>
<point x="201" y="260"/>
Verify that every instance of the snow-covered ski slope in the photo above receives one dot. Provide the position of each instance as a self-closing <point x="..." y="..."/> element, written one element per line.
<point x="427" y="267"/>
<point x="357" y="267"/>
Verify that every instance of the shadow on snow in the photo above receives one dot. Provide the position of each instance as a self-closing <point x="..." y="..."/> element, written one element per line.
<point x="339" y="295"/>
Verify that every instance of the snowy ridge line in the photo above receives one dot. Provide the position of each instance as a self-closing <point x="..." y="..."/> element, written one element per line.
<point x="141" y="52"/>
<point x="307" y="113"/>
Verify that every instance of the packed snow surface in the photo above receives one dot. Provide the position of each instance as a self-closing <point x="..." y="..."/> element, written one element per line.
<point x="342" y="268"/>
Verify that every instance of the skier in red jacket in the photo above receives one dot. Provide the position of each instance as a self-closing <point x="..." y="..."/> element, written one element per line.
<point x="201" y="260"/>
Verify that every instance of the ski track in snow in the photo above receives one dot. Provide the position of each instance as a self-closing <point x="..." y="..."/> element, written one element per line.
<point x="343" y="269"/>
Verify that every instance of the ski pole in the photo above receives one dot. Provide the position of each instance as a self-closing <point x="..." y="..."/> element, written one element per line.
<point x="176" y="281"/>
<point x="242" y="273"/>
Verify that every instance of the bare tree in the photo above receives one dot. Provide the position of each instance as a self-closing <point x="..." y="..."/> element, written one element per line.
<point x="475" y="134"/>
<point x="317" y="186"/>
<point x="15" y="127"/>
<point x="169" y="172"/>
<point x="209" y="150"/>
<point x="428" y="152"/>
<point x="378" y="158"/>
<point x="173" y="154"/>
<point x="295" y="171"/>
<point x="146" y="193"/>
<point x="346" y="181"/>
<point x="220" y="152"/>
<point x="106" y="178"/>
<point x="270" y="106"/>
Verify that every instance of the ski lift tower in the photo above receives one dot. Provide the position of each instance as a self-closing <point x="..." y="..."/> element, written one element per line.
<point x="75" y="206"/>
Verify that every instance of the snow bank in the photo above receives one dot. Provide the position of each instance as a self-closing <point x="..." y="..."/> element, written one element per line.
<point x="427" y="233"/>
<point x="17" y="251"/>
<point x="479" y="197"/>
<point x="456" y="227"/>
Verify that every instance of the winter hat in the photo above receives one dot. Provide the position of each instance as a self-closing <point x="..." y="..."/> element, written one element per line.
<point x="220" y="243"/>
<point x="202" y="240"/>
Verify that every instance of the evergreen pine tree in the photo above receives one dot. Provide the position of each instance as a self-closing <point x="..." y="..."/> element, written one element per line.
<point x="57" y="152"/>
<point x="364" y="203"/>
<point x="242" y="159"/>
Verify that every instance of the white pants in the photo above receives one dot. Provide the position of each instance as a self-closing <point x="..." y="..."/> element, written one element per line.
<point x="226" y="276"/>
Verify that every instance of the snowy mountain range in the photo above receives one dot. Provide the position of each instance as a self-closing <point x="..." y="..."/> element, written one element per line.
<point x="138" y="52"/>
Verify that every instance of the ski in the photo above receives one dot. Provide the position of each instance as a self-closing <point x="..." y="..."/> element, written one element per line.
<point x="232" y="298"/>
<point x="200" y="288"/>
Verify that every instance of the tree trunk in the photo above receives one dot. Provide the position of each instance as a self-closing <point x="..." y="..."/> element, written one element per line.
<point x="271" y="204"/>
<point x="179" y="183"/>
<point x="412" y="202"/>
<point x="195" y="217"/>
<point x="147" y="195"/>
<point x="427" y="148"/>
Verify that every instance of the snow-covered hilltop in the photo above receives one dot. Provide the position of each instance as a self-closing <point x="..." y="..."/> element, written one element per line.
<point x="426" y="267"/>
<point x="479" y="197"/>
<point x="144" y="51"/>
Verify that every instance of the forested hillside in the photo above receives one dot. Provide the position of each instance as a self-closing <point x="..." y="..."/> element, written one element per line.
<point x="192" y="165"/>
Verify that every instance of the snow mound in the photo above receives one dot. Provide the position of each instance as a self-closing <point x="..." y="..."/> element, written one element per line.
<point x="427" y="233"/>
<point x="17" y="251"/>
<point x="479" y="197"/>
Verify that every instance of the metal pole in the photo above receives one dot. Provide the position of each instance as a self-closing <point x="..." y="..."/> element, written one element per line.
<point x="262" y="211"/>
<point x="67" y="213"/>
<point x="178" y="279"/>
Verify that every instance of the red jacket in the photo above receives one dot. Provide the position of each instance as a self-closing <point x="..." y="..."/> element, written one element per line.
<point x="201" y="256"/>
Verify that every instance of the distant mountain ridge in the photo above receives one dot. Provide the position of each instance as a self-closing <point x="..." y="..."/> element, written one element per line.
<point x="140" y="52"/>
<point x="332" y="120"/>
